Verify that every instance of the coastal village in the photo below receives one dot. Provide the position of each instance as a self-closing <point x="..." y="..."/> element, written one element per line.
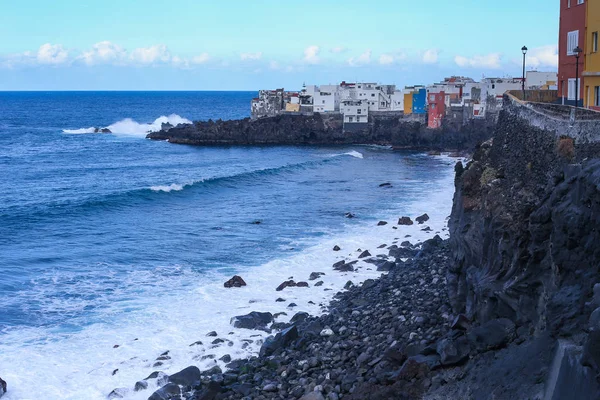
<point x="456" y="98"/>
<point x="459" y="98"/>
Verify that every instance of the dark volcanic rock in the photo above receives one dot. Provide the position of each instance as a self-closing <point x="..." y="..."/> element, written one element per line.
<point x="350" y="215"/>
<point x="423" y="218"/>
<point x="3" y="387"/>
<point x="382" y="223"/>
<point x="405" y="221"/>
<point x="236" y="281"/>
<point x="336" y="248"/>
<point x="279" y="341"/>
<point x="189" y="376"/>
<point x="364" y="254"/>
<point x="168" y="392"/>
<point x="285" y="284"/>
<point x="315" y="275"/>
<point x="302" y="284"/>
<point x="253" y="320"/>
<point x="492" y="335"/>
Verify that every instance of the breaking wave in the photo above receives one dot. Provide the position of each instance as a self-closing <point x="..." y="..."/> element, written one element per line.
<point x="129" y="127"/>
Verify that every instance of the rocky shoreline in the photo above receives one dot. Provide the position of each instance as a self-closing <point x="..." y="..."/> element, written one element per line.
<point x="328" y="129"/>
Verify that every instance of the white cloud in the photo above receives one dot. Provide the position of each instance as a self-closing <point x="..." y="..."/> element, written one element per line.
<point x="431" y="56"/>
<point x="545" y="56"/>
<point x="311" y="54"/>
<point x="52" y="54"/>
<point x="103" y="52"/>
<point x="364" y="58"/>
<point x="386" y="59"/>
<point x="492" y="61"/>
<point x="150" y="55"/>
<point x="339" y="49"/>
<point x="251" y="56"/>
<point x="201" y="59"/>
<point x="274" y="65"/>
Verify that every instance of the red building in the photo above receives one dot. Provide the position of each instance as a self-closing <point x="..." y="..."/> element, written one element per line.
<point x="437" y="109"/>
<point x="571" y="34"/>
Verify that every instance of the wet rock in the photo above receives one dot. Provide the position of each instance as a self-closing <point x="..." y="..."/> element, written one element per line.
<point x="280" y="300"/>
<point x="285" y="284"/>
<point x="385" y="266"/>
<point x="236" y="281"/>
<point x="364" y="254"/>
<point x="253" y="320"/>
<point x="387" y="184"/>
<point x="405" y="221"/>
<point x="343" y="266"/>
<point x="168" y="392"/>
<point x="257" y="222"/>
<point x="208" y="391"/>
<point x="140" y="385"/>
<point x="350" y="215"/>
<point x="211" y="334"/>
<point x="118" y="393"/>
<point x="382" y="223"/>
<point x="299" y="317"/>
<point x="348" y="285"/>
<point x="302" y="284"/>
<point x="336" y="248"/>
<point x="422" y="219"/>
<point x="279" y="341"/>
<point x="315" y="276"/>
<point x="292" y="305"/>
<point x="320" y="283"/>
<point x="453" y="351"/>
<point x="189" y="376"/>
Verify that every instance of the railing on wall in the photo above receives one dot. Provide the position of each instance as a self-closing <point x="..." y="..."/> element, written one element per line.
<point x="538" y="96"/>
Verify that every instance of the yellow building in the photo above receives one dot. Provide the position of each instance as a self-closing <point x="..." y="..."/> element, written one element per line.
<point x="591" y="93"/>
<point x="408" y="103"/>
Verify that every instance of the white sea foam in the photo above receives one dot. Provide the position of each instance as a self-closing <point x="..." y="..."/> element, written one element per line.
<point x="169" y="311"/>
<point x="129" y="127"/>
<point x="79" y="131"/>
<point x="352" y="153"/>
<point x="174" y="187"/>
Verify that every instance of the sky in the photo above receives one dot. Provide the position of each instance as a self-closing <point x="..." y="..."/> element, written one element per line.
<point x="260" y="44"/>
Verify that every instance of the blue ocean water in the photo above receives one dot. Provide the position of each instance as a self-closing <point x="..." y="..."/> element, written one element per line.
<point x="96" y="226"/>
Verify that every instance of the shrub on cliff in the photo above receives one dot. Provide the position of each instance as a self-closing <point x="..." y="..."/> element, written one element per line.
<point x="566" y="148"/>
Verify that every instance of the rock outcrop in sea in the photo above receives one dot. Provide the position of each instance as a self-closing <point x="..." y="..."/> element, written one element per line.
<point x="326" y="129"/>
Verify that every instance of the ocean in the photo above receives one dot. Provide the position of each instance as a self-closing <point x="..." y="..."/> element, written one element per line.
<point x="114" y="248"/>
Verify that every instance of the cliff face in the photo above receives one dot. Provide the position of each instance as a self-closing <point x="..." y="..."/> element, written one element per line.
<point x="324" y="129"/>
<point x="525" y="228"/>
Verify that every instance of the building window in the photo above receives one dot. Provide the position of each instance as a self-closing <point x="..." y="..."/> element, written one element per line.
<point x="594" y="42"/>
<point x="571" y="89"/>
<point x="350" y="119"/>
<point x="568" y="3"/>
<point x="323" y="101"/>
<point x="572" y="42"/>
<point x="358" y="111"/>
<point x="597" y="96"/>
<point x="372" y="94"/>
<point x="579" y="1"/>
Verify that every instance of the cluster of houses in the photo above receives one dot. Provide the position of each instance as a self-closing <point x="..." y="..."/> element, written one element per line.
<point x="457" y="97"/>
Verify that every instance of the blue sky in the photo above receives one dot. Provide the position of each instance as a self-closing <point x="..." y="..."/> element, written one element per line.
<point x="247" y="45"/>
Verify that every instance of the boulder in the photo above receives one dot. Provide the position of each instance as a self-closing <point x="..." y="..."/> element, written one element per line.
<point x="189" y="376"/>
<point x="461" y="322"/>
<point x="315" y="276"/>
<point x="208" y="392"/>
<point x="387" y="184"/>
<point x="253" y="320"/>
<point x="402" y="252"/>
<point x="140" y="385"/>
<point x="2" y="387"/>
<point x="365" y="254"/>
<point x="118" y="393"/>
<point x="299" y="317"/>
<point x="453" y="351"/>
<point x="236" y="281"/>
<point x="342" y="266"/>
<point x="382" y="223"/>
<point x="279" y="341"/>
<point x="405" y="221"/>
<point x="168" y="392"/>
<point x="422" y="219"/>
<point x="285" y="284"/>
<point x="492" y="335"/>
<point x="385" y="266"/>
<point x="336" y="248"/>
<point x="432" y="243"/>
<point x="302" y="284"/>
<point x="350" y="215"/>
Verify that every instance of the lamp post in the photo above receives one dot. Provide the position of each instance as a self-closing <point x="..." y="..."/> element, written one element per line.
<point x="524" y="50"/>
<point x="577" y="50"/>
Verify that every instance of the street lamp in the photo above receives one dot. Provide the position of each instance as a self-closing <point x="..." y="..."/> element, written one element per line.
<point x="524" y="50"/>
<point x="577" y="50"/>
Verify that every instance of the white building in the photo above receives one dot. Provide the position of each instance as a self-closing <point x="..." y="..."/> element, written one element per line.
<point x="493" y="89"/>
<point x="541" y="80"/>
<point x="378" y="97"/>
<point x="355" y="111"/>
<point x="326" y="98"/>
<point x="397" y="99"/>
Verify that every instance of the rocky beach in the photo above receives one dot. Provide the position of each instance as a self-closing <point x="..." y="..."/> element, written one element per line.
<point x="506" y="308"/>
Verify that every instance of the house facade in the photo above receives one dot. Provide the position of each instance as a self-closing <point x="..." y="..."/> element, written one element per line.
<point x="572" y="33"/>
